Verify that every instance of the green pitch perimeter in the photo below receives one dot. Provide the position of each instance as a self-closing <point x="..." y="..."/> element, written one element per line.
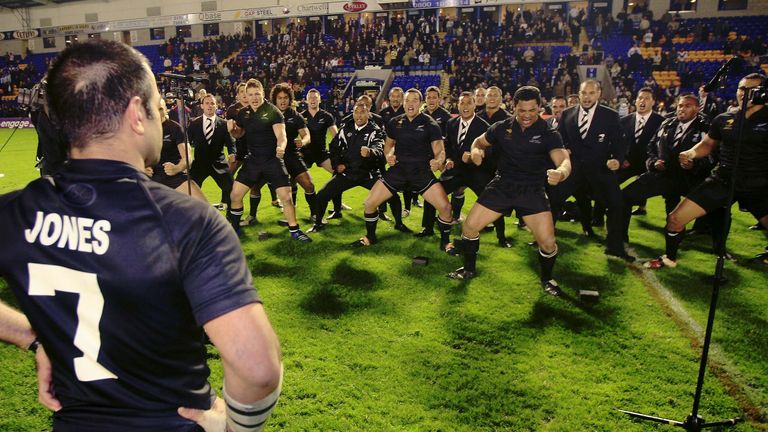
<point x="371" y="343"/>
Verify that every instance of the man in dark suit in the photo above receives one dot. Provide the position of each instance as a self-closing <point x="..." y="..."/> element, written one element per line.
<point x="597" y="150"/>
<point x="665" y="176"/>
<point x="209" y="136"/>
<point x="639" y="128"/>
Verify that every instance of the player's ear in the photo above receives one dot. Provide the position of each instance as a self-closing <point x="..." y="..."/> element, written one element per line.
<point x="135" y="115"/>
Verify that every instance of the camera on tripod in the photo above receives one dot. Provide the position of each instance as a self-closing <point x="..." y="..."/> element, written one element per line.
<point x="33" y="99"/>
<point x="758" y="95"/>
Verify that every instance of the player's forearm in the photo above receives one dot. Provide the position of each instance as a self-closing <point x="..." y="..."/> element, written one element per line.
<point x="564" y="168"/>
<point x="15" y="328"/>
<point x="480" y="144"/>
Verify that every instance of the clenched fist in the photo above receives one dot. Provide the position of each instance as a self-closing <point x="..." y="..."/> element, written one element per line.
<point x="477" y="156"/>
<point x="612" y="164"/>
<point x="391" y="160"/>
<point x="280" y="152"/>
<point x="365" y="151"/>
<point x="686" y="159"/>
<point x="554" y="177"/>
<point x="434" y="164"/>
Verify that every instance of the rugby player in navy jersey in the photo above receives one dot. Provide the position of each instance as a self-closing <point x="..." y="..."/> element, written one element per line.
<point x="526" y="147"/>
<point x="171" y="170"/>
<point x="298" y="136"/>
<point x="414" y="150"/>
<point x="263" y="127"/>
<point x="119" y="276"/>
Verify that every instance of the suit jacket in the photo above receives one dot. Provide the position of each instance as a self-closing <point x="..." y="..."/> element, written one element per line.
<point x="211" y="153"/>
<point x="454" y="149"/>
<point x="604" y="139"/>
<point x="345" y="148"/>
<point x="637" y="149"/>
<point x="660" y="147"/>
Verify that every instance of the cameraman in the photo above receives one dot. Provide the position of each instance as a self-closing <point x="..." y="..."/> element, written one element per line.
<point x="750" y="175"/>
<point x="51" y="142"/>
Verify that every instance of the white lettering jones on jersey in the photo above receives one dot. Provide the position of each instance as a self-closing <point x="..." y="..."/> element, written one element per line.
<point x="71" y="232"/>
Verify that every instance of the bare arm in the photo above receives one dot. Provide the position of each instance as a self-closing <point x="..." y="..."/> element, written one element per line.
<point x="702" y="149"/>
<point x="334" y="130"/>
<point x="438" y="149"/>
<point x="389" y="151"/>
<point x="563" y="163"/>
<point x="477" y="151"/>
<point x="14" y="327"/>
<point x="172" y="169"/>
<point x="282" y="139"/>
<point x="304" y="138"/>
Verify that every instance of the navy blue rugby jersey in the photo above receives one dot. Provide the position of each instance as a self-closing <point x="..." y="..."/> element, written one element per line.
<point x="523" y="156"/>
<point x="117" y="274"/>
<point x="413" y="138"/>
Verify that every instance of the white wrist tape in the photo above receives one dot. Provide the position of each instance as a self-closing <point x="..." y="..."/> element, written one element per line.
<point x="251" y="417"/>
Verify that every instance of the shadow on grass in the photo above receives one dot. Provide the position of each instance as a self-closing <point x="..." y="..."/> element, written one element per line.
<point x="325" y="300"/>
<point x="348" y="276"/>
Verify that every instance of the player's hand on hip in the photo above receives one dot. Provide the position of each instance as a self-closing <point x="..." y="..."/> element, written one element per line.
<point x="280" y="152"/>
<point x="391" y="160"/>
<point x="554" y="177"/>
<point x="613" y="164"/>
<point x="45" y="392"/>
<point x="211" y="420"/>
<point x="365" y="151"/>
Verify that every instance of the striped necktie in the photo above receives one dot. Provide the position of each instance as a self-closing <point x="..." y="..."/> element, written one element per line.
<point x="208" y="129"/>
<point x="584" y="125"/>
<point x="678" y="136"/>
<point x="462" y="132"/>
<point x="639" y="128"/>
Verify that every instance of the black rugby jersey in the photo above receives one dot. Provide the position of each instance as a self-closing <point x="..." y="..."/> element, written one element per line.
<point x="414" y="137"/>
<point x="318" y="126"/>
<point x="117" y="274"/>
<point x="752" y="171"/>
<point x="293" y="123"/>
<point x="172" y="137"/>
<point x="259" y="136"/>
<point x="523" y="156"/>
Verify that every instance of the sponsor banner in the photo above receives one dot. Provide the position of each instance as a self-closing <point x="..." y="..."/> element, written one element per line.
<point x="433" y="4"/>
<point x="340" y="8"/>
<point x="20" y="34"/>
<point x="14" y="122"/>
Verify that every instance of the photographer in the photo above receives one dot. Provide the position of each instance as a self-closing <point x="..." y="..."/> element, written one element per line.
<point x="51" y="142"/>
<point x="750" y="175"/>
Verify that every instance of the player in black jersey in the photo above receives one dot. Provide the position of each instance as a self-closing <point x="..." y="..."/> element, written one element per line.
<point x="319" y="122"/>
<point x="433" y="109"/>
<point x="414" y="149"/>
<point x="119" y="276"/>
<point x="395" y="109"/>
<point x="298" y="136"/>
<point x="525" y="147"/>
<point x="263" y="127"/>
<point x="493" y="112"/>
<point x="171" y="170"/>
<point x="750" y="175"/>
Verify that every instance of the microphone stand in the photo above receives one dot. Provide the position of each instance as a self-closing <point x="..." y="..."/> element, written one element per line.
<point x="694" y="422"/>
<point x="182" y="109"/>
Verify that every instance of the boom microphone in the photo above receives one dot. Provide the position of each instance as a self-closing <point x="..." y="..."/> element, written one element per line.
<point x="187" y="78"/>
<point x="713" y="83"/>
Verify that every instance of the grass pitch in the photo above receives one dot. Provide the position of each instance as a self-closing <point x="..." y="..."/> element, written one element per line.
<point x="372" y="343"/>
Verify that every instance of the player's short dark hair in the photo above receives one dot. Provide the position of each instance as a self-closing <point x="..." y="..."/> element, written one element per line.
<point x="467" y="93"/>
<point x="281" y="88"/>
<point x="314" y="90"/>
<point x="647" y="90"/>
<point x="396" y="89"/>
<point x="755" y="76"/>
<point x="360" y="103"/>
<point x="209" y="95"/>
<point x="594" y="82"/>
<point x="416" y="91"/>
<point x="688" y="96"/>
<point x="90" y="85"/>
<point x="365" y="97"/>
<point x="242" y="84"/>
<point x="494" y="88"/>
<point x="554" y="98"/>
<point x="433" y="89"/>
<point x="572" y="95"/>
<point x="526" y="93"/>
<point x="254" y="83"/>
